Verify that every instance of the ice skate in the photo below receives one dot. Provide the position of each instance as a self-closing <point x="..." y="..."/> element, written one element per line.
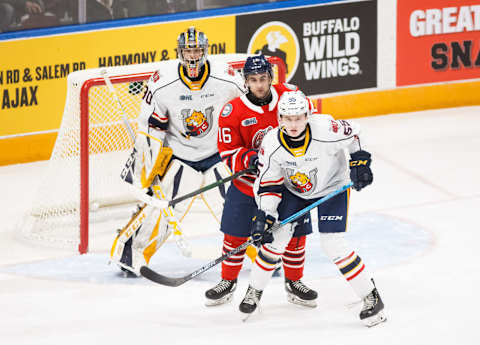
<point x="372" y="312"/>
<point x="250" y="302"/>
<point x="299" y="293"/>
<point x="221" y="293"/>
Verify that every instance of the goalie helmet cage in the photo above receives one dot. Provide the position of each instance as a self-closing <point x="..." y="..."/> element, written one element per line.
<point x="81" y="185"/>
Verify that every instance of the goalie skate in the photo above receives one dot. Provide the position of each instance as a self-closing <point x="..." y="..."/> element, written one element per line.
<point x="299" y="293"/>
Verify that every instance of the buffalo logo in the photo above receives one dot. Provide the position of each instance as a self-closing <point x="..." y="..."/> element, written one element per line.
<point x="277" y="39"/>
<point x="258" y="137"/>
<point x="300" y="182"/>
<point x="196" y="123"/>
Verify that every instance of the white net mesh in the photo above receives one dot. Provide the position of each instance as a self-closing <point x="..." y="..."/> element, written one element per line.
<point x="55" y="214"/>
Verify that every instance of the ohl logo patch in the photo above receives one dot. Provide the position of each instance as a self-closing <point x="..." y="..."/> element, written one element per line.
<point x="196" y="123"/>
<point x="277" y="39"/>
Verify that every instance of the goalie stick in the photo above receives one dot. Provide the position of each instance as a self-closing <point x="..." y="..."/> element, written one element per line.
<point x="174" y="282"/>
<point x="179" y="239"/>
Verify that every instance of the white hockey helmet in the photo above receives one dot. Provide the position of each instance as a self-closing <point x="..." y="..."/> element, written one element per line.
<point x="293" y="111"/>
<point x="191" y="38"/>
<point x="293" y="103"/>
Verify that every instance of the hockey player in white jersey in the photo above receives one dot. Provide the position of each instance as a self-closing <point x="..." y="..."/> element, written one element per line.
<point x="299" y="162"/>
<point x="175" y="150"/>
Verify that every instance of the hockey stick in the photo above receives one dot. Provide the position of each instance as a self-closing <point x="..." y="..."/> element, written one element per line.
<point x="169" y="281"/>
<point x="208" y="187"/>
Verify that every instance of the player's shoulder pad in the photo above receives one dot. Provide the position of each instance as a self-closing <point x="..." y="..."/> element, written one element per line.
<point x="287" y="87"/>
<point x="163" y="76"/>
<point x="227" y="109"/>
<point x="325" y="128"/>
<point x="229" y="115"/>
<point x="270" y="142"/>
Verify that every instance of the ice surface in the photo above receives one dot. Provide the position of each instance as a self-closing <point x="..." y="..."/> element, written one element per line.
<point x="415" y="228"/>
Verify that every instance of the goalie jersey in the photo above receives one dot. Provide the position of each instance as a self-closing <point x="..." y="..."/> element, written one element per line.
<point x="185" y="112"/>
<point x="309" y="171"/>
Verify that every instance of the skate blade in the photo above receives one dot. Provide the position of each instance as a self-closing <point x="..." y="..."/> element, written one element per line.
<point x="214" y="302"/>
<point x="130" y="274"/>
<point x="247" y="316"/>
<point x="375" y="319"/>
<point x="304" y="303"/>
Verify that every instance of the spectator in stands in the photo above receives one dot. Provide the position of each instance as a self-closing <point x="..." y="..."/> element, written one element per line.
<point x="7" y="12"/>
<point x="96" y="10"/>
<point x="182" y="6"/>
<point x="36" y="14"/>
<point x="140" y="8"/>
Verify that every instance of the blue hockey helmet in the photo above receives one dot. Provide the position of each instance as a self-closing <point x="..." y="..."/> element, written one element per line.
<point x="257" y="64"/>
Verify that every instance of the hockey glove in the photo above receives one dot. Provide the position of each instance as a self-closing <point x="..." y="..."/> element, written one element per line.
<point x="261" y="224"/>
<point x="360" y="172"/>
<point x="253" y="164"/>
<point x="250" y="161"/>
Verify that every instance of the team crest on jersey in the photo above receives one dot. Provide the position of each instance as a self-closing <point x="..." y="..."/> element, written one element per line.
<point x="227" y="110"/>
<point x="258" y="137"/>
<point x="302" y="183"/>
<point x="196" y="123"/>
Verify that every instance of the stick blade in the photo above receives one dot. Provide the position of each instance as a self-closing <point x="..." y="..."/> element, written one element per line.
<point x="155" y="277"/>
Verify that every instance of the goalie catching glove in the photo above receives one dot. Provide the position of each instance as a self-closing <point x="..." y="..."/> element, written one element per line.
<point x="360" y="172"/>
<point x="261" y="224"/>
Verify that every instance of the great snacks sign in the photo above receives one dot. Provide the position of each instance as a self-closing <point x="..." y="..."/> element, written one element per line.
<point x="437" y="40"/>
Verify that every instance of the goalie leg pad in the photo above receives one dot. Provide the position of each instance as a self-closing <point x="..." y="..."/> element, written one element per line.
<point x="136" y="243"/>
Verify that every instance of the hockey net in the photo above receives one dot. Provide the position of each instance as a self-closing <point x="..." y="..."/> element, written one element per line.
<point x="81" y="193"/>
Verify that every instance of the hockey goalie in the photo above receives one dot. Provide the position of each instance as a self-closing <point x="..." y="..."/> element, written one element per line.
<point x="175" y="150"/>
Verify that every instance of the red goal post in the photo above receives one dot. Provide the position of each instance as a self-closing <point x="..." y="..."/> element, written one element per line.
<point x="81" y="188"/>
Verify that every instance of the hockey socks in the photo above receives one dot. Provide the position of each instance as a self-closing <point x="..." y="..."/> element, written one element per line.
<point x="294" y="258"/>
<point x="231" y="267"/>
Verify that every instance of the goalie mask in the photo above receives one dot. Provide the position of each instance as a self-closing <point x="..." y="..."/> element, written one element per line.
<point x="293" y="111"/>
<point x="192" y="50"/>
